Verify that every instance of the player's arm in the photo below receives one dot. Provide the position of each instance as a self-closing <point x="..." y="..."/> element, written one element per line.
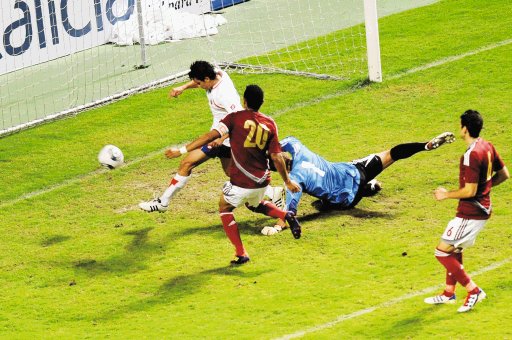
<point x="292" y="188"/>
<point x="278" y="160"/>
<point x="204" y="139"/>
<point x="218" y="142"/>
<point x="468" y="191"/>
<point x="175" y="92"/>
<point x="500" y="176"/>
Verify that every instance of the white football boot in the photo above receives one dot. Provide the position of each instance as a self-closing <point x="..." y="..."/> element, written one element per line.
<point x="440" y="299"/>
<point x="471" y="301"/>
<point x="444" y="138"/>
<point x="153" y="205"/>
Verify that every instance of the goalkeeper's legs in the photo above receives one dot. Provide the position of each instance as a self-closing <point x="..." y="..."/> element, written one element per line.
<point x="406" y="150"/>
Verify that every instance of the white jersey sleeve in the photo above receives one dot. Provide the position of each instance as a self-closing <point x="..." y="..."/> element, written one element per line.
<point x="223" y="98"/>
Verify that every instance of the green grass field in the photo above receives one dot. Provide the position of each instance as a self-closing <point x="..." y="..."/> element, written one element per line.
<point x="78" y="260"/>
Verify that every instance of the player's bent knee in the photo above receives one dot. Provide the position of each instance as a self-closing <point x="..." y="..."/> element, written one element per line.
<point x="187" y="165"/>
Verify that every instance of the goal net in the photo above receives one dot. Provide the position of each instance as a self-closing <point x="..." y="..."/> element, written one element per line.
<point x="58" y="58"/>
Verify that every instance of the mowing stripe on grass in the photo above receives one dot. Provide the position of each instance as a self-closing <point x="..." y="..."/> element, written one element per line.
<point x="275" y="114"/>
<point x="399" y="299"/>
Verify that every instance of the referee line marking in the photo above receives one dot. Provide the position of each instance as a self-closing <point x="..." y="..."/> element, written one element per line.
<point x="276" y="114"/>
<point x="389" y="303"/>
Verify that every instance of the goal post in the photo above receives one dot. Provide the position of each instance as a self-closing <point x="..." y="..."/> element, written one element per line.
<point x="371" y="21"/>
<point x="58" y="58"/>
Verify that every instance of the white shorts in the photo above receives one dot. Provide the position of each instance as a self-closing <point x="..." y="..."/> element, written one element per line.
<point x="461" y="232"/>
<point x="236" y="196"/>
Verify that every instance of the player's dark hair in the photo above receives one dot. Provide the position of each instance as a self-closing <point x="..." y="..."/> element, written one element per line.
<point x="201" y="69"/>
<point x="473" y="121"/>
<point x="253" y="95"/>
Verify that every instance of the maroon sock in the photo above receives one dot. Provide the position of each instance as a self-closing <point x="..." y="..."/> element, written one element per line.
<point x="231" y="229"/>
<point x="270" y="209"/>
<point x="448" y="294"/>
<point x="453" y="267"/>
<point x="475" y="290"/>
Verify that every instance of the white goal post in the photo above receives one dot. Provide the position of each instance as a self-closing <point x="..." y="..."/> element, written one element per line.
<point x="58" y="58"/>
<point x="371" y="21"/>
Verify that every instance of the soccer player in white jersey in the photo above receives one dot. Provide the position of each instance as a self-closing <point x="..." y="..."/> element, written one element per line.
<point x="481" y="168"/>
<point x="223" y="99"/>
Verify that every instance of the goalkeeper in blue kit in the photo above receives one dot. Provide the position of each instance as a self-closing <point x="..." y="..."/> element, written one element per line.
<point x="341" y="185"/>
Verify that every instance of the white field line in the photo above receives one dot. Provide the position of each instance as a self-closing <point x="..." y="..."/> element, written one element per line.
<point x="303" y="104"/>
<point x="80" y="178"/>
<point x="389" y="303"/>
<point x="439" y="62"/>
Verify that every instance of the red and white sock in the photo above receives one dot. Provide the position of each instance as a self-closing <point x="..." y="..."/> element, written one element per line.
<point x="176" y="184"/>
<point x="453" y="267"/>
<point x="232" y="232"/>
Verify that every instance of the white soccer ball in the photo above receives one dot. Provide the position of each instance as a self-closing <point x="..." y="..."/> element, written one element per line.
<point x="111" y="157"/>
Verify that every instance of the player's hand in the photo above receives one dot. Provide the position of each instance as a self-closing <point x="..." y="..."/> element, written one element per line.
<point x="172" y="153"/>
<point x="292" y="186"/>
<point x="440" y="194"/>
<point x="175" y="92"/>
<point x="216" y="143"/>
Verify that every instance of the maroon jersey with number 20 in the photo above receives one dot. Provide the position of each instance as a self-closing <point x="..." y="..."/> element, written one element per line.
<point x="253" y="137"/>
<point x="477" y="166"/>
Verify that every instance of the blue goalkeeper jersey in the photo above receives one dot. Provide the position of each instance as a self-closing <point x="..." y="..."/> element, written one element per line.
<point x="335" y="182"/>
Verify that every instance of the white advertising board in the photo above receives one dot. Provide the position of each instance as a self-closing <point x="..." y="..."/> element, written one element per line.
<point x="36" y="31"/>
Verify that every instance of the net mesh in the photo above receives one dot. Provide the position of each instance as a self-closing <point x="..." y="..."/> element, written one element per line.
<point x="68" y="74"/>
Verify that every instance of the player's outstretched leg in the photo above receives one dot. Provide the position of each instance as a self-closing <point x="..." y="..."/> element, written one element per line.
<point x="444" y="138"/>
<point x="178" y="182"/>
<point x="269" y="209"/>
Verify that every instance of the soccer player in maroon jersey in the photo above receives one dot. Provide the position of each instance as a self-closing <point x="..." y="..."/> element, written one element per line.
<point x="253" y="139"/>
<point x="481" y="168"/>
<point x="223" y="100"/>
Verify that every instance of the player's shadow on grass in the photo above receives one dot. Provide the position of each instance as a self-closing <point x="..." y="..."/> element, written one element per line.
<point x="254" y="225"/>
<point x="354" y="212"/>
<point x="182" y="286"/>
<point x="412" y="323"/>
<point x="51" y="240"/>
<point x="131" y="260"/>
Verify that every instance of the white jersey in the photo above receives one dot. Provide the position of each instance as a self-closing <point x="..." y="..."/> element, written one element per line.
<point x="223" y="99"/>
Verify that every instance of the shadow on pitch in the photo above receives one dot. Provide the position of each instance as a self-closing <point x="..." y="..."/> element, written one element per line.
<point x="323" y="212"/>
<point x="413" y="323"/>
<point x="181" y="286"/>
<point x="254" y="225"/>
<point x="55" y="239"/>
<point x="133" y="259"/>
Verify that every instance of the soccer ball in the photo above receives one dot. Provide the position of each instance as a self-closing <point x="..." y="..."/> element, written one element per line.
<point x="111" y="157"/>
